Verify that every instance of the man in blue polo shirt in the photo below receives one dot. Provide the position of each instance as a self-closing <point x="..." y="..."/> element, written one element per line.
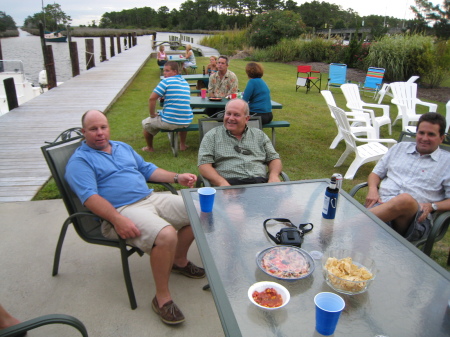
<point x="110" y="179"/>
<point x="176" y="113"/>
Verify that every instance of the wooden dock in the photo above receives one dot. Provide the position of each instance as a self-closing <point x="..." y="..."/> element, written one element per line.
<point x="23" y="170"/>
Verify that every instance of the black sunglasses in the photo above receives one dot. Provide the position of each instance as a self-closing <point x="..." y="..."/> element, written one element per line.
<point x="239" y="149"/>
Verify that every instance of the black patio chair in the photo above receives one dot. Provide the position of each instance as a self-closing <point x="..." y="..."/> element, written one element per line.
<point x="21" y="328"/>
<point x="86" y="224"/>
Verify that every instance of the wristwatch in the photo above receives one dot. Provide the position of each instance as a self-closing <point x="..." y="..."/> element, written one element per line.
<point x="434" y="207"/>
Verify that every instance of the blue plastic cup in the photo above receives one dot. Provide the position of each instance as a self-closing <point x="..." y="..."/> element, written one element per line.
<point x="328" y="309"/>
<point x="206" y="195"/>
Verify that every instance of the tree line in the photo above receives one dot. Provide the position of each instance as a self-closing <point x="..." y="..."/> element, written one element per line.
<point x="6" y="22"/>
<point x="230" y="14"/>
<point x="239" y="14"/>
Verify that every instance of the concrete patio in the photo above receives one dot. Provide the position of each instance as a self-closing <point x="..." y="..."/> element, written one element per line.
<point x="90" y="284"/>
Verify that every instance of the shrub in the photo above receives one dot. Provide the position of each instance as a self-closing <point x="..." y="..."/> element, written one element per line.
<point x="336" y="53"/>
<point x="317" y="50"/>
<point x="227" y="43"/>
<point x="438" y="71"/>
<point x="405" y="55"/>
<point x="269" y="28"/>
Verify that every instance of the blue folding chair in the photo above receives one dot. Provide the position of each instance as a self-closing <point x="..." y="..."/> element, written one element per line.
<point x="337" y="75"/>
<point x="374" y="79"/>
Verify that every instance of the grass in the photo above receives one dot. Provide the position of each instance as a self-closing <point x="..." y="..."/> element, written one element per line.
<point x="304" y="147"/>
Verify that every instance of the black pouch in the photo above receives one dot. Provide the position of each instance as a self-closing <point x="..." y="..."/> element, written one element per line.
<point x="291" y="236"/>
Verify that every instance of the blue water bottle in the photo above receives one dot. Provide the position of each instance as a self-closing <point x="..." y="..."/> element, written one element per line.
<point x="330" y="201"/>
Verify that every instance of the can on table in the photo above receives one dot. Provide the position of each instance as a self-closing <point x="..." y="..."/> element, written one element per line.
<point x="339" y="178"/>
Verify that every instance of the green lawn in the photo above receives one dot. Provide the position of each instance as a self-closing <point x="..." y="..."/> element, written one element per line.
<point x="304" y="147"/>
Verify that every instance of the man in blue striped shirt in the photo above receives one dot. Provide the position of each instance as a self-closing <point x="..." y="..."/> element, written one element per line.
<point x="176" y="113"/>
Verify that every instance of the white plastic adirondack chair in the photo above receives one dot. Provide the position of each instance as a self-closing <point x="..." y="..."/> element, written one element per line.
<point x="386" y="87"/>
<point x="405" y="97"/>
<point x="354" y="102"/>
<point x="360" y="121"/>
<point x="372" y="151"/>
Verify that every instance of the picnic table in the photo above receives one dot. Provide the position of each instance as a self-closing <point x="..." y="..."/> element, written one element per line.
<point x="198" y="102"/>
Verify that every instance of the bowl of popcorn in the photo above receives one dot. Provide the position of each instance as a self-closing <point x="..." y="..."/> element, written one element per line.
<point x="348" y="272"/>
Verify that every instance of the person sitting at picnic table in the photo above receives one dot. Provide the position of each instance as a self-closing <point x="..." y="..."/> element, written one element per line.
<point x="177" y="111"/>
<point x="257" y="93"/>
<point x="212" y="66"/>
<point x="235" y="154"/>
<point x="210" y="69"/>
<point x="190" y="58"/>
<point x="415" y="181"/>
<point x="162" y="56"/>
<point x="222" y="83"/>
<point x="110" y="179"/>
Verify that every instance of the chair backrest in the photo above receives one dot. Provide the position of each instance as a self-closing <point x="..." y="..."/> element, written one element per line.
<point x="412" y="79"/>
<point x="374" y="78"/>
<point x="329" y="99"/>
<point x="405" y="93"/>
<point x="351" y="93"/>
<point x="57" y="156"/>
<point x="207" y="124"/>
<point x="337" y="74"/>
<point x="344" y="126"/>
<point x="303" y="69"/>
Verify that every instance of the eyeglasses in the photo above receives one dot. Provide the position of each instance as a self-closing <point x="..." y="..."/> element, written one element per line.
<point x="239" y="149"/>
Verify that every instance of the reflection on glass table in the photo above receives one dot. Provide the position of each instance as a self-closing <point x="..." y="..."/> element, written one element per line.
<point x="408" y="297"/>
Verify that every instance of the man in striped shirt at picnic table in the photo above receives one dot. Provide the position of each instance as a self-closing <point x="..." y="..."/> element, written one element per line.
<point x="175" y="92"/>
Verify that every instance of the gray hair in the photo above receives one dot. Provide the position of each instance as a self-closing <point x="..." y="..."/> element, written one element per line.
<point x="246" y="107"/>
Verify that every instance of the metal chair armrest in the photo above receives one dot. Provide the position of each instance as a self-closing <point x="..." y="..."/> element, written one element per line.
<point x="168" y="186"/>
<point x="284" y="176"/>
<point x="202" y="182"/>
<point x="44" y="320"/>
<point x="356" y="188"/>
<point x="440" y="226"/>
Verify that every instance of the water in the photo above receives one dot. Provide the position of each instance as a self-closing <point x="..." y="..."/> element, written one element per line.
<point x="27" y="48"/>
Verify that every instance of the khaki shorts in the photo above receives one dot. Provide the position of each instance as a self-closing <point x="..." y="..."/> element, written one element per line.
<point x="151" y="215"/>
<point x="153" y="125"/>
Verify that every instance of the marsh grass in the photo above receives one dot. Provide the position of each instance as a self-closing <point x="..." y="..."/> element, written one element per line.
<point x="228" y="43"/>
<point x="304" y="147"/>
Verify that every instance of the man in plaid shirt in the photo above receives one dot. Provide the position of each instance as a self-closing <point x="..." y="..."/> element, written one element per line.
<point x="235" y="154"/>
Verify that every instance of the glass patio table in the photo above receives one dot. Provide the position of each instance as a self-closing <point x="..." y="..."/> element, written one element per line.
<point x="409" y="296"/>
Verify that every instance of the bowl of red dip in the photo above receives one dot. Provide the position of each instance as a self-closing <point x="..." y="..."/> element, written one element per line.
<point x="268" y="295"/>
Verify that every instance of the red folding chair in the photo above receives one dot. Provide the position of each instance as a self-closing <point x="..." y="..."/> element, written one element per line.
<point x="305" y="78"/>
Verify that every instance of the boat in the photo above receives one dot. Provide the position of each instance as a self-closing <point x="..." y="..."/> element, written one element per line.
<point x="25" y="90"/>
<point x="54" y="36"/>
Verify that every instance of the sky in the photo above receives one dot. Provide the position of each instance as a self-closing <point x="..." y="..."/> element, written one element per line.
<point x="83" y="12"/>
